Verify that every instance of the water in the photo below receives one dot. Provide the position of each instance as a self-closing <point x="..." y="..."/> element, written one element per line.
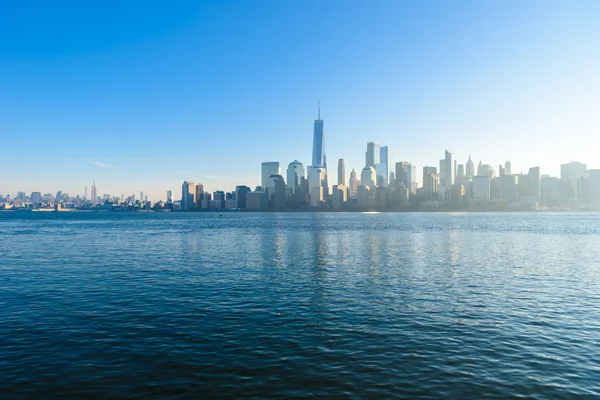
<point x="300" y="305"/>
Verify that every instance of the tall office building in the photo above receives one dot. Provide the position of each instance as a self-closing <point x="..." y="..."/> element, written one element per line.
<point x="295" y="173"/>
<point x="353" y="184"/>
<point x="94" y="194"/>
<point x="470" y="169"/>
<point x="383" y="168"/>
<point x="267" y="169"/>
<point x="187" y="195"/>
<point x="368" y="177"/>
<point x="449" y="172"/>
<point x="316" y="176"/>
<point x="508" y="168"/>
<point x="341" y="172"/>
<point x="373" y="154"/>
<point x="85" y="193"/>
<point x="460" y="172"/>
<point x="534" y="183"/>
<point x="169" y="196"/>
<point x="430" y="182"/>
<point x="199" y="191"/>
<point x="573" y="173"/>
<point x="402" y="172"/>
<point x="319" y="158"/>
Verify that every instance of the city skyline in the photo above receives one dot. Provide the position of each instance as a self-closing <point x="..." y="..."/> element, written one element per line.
<point x="145" y="106"/>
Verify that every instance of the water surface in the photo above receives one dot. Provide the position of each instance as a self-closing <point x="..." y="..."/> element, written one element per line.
<point x="300" y="305"/>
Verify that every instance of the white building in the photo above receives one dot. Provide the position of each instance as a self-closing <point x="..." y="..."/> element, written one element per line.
<point x="573" y="173"/>
<point x="368" y="177"/>
<point x="316" y="177"/>
<point x="267" y="169"/>
<point x="295" y="173"/>
<point x="482" y="187"/>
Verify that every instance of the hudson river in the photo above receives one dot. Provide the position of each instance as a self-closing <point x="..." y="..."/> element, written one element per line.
<point x="299" y="305"/>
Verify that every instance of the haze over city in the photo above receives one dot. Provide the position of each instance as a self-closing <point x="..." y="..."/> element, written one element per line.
<point x="141" y="98"/>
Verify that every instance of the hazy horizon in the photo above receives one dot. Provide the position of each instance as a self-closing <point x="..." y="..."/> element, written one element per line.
<point x="142" y="96"/>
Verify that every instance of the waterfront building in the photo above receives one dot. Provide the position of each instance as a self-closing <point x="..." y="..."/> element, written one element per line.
<point x="368" y="177"/>
<point x="339" y="196"/>
<point x="534" y="183"/>
<point x="572" y="174"/>
<point x="319" y="158"/>
<point x="240" y="195"/>
<point x="36" y="197"/>
<point x="460" y="172"/>
<point x="402" y="173"/>
<point x="277" y="197"/>
<point x="430" y="183"/>
<point x="169" y="196"/>
<point x="373" y="154"/>
<point x="482" y="188"/>
<point x="316" y="176"/>
<point x="295" y="173"/>
<point x="188" y="191"/>
<point x="341" y="172"/>
<point x="549" y="191"/>
<point x="199" y="191"/>
<point x="256" y="201"/>
<point x="267" y="169"/>
<point x="353" y="188"/>
<point x="508" y="168"/>
<point x="591" y="186"/>
<point x="94" y="194"/>
<point x="383" y="167"/>
<point x="470" y="168"/>
<point x="381" y="174"/>
<point x="509" y="188"/>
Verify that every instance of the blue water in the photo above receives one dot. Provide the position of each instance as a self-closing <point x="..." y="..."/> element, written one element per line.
<point x="300" y="305"/>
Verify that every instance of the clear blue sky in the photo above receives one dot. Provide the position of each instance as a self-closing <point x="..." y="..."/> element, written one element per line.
<point x="140" y="95"/>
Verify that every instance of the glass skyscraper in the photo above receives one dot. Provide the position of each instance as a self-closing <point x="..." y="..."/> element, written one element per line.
<point x="318" y="156"/>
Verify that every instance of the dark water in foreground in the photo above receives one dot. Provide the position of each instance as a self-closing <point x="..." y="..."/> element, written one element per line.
<point x="300" y="305"/>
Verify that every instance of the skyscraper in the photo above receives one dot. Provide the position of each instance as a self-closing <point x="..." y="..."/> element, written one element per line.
<point x="316" y="176"/>
<point x="199" y="191"/>
<point x="141" y="196"/>
<point x="402" y="173"/>
<point x="187" y="195"/>
<point x="383" y="169"/>
<point x="341" y="172"/>
<point x="295" y="173"/>
<point x="169" y="196"/>
<point x="368" y="177"/>
<point x="373" y="154"/>
<point x="508" y="168"/>
<point x="460" y="171"/>
<point x="318" y="157"/>
<point x="267" y="169"/>
<point x="470" y="170"/>
<point x="85" y="193"/>
<point x="573" y="174"/>
<point x="534" y="183"/>
<point x="449" y="170"/>
<point x="353" y="187"/>
<point x="94" y="194"/>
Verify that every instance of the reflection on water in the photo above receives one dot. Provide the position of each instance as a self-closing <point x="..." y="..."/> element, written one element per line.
<point x="300" y="305"/>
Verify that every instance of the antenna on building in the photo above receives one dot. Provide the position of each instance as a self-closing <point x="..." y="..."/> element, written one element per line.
<point x="319" y="116"/>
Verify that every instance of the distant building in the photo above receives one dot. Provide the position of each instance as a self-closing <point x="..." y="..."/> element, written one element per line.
<point x="240" y="195"/>
<point x="572" y="174"/>
<point x="169" y="196"/>
<point x="353" y="188"/>
<point x="373" y="154"/>
<point x="368" y="177"/>
<point x="591" y="186"/>
<point x="36" y="197"/>
<point x="470" y="168"/>
<point x="508" y="168"/>
<point x="460" y="172"/>
<point x="188" y="191"/>
<point x="549" y="191"/>
<point x="339" y="196"/>
<point x="256" y="201"/>
<point x="482" y="188"/>
<point x="341" y="172"/>
<point x="383" y="167"/>
<point x="94" y="194"/>
<point x="267" y="169"/>
<point x="509" y="188"/>
<point x="199" y="191"/>
<point x="277" y="198"/>
<point x="534" y="183"/>
<point x="316" y="176"/>
<point x="295" y="173"/>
